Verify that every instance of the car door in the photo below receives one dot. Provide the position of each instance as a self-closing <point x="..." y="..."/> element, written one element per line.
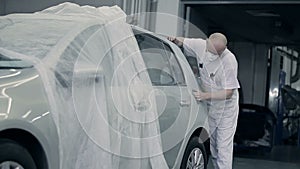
<point x="172" y="97"/>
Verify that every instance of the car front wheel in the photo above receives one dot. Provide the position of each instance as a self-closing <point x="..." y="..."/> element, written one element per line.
<point x="14" y="156"/>
<point x="195" y="156"/>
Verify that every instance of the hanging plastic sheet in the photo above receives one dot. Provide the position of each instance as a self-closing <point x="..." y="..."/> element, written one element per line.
<point x="100" y="95"/>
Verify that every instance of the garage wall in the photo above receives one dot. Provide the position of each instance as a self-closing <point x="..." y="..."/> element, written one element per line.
<point x="198" y="29"/>
<point x="2" y="7"/>
<point x="260" y="74"/>
<point x="167" y="17"/>
<point x="253" y="65"/>
<point x="13" y="6"/>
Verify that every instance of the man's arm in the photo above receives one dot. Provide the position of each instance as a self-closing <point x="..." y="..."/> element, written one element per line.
<point x="219" y="95"/>
<point x="177" y="40"/>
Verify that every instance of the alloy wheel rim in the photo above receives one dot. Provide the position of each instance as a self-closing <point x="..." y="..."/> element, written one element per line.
<point x="195" y="160"/>
<point x="10" y="165"/>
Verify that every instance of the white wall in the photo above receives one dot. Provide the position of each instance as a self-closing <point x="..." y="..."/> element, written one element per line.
<point x="167" y="17"/>
<point x="287" y="68"/>
<point x="296" y="85"/>
<point x="141" y="13"/>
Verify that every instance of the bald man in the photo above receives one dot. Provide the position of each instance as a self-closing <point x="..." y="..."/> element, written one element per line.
<point x="219" y="89"/>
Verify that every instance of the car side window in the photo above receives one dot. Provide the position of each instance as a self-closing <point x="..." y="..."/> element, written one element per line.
<point x="160" y="60"/>
<point x="174" y="64"/>
<point x="65" y="65"/>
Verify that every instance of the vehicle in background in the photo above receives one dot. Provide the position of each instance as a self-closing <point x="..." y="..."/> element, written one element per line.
<point x="257" y="137"/>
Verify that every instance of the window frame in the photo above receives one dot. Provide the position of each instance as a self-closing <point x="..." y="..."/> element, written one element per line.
<point x="164" y="45"/>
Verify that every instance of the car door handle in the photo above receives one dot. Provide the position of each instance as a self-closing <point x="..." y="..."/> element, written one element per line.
<point x="185" y="103"/>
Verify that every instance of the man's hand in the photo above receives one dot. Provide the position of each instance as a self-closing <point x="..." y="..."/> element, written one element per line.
<point x="177" y="40"/>
<point x="172" y="39"/>
<point x="199" y="95"/>
<point x="218" y="95"/>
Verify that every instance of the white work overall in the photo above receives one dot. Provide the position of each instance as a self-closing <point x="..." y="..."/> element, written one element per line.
<point x="214" y="76"/>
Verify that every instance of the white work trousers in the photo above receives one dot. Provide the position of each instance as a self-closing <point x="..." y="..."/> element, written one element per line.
<point x="222" y="132"/>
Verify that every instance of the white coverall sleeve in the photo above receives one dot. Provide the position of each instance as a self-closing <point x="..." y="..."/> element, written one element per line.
<point x="231" y="81"/>
<point x="191" y="46"/>
<point x="231" y="71"/>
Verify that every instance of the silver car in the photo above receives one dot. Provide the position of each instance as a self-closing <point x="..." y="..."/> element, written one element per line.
<point x="29" y="136"/>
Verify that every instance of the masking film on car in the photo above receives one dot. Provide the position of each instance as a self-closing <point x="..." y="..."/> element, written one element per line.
<point x="101" y="98"/>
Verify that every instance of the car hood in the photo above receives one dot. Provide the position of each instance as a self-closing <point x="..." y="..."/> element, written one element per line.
<point x="13" y="77"/>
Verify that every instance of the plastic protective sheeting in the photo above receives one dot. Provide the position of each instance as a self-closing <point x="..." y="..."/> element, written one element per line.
<point x="100" y="95"/>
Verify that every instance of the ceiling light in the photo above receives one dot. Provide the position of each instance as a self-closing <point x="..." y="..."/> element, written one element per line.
<point x="262" y="13"/>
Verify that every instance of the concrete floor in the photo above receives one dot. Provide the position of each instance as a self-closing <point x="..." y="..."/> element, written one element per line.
<point x="281" y="157"/>
<point x="247" y="163"/>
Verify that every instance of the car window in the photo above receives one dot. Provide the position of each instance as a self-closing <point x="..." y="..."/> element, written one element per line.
<point x="5" y="58"/>
<point x="193" y="64"/>
<point x="160" y="60"/>
<point x="13" y="63"/>
<point x="65" y="65"/>
<point x="174" y="64"/>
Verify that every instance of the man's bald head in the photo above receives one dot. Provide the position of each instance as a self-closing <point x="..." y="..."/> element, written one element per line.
<point x="217" y="43"/>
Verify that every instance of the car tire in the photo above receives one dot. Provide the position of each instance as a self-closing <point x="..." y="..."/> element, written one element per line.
<point x="13" y="155"/>
<point x="194" y="149"/>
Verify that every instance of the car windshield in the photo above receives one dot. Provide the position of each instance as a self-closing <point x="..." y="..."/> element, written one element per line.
<point x="7" y="63"/>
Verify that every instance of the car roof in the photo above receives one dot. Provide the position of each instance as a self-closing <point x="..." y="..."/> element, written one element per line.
<point x="48" y="32"/>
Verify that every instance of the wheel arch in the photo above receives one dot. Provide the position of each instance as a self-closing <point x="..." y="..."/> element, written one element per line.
<point x="203" y="138"/>
<point x="30" y="142"/>
<point x="203" y="134"/>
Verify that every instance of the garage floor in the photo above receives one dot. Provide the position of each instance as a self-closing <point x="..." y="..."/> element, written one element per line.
<point x="281" y="157"/>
